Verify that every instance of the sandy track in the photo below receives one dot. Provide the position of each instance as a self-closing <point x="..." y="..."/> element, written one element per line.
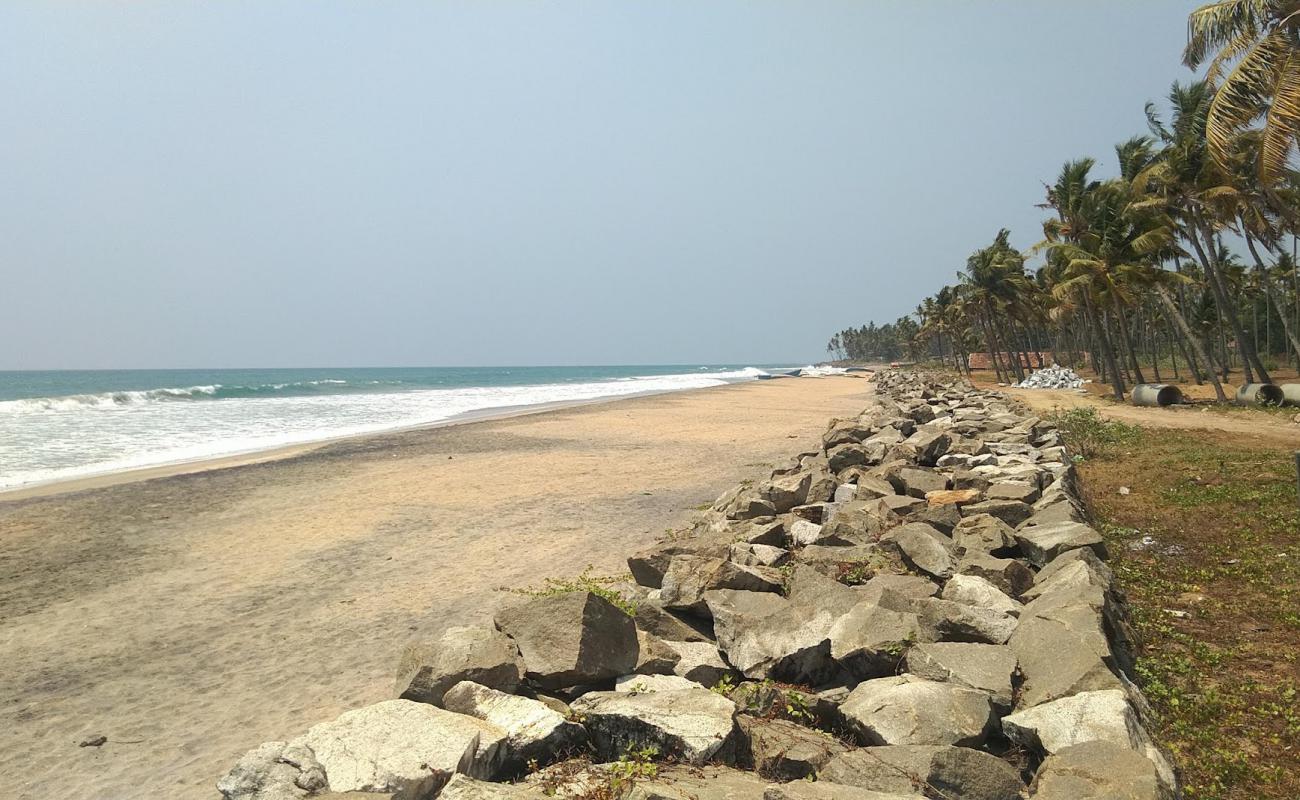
<point x="191" y="617"/>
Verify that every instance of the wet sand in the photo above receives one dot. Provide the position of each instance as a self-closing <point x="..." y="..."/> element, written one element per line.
<point x="190" y="617"/>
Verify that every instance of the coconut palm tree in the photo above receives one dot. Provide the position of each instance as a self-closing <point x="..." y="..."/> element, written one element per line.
<point x="1253" y="51"/>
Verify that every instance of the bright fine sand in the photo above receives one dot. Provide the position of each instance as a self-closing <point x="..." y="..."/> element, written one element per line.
<point x="189" y="618"/>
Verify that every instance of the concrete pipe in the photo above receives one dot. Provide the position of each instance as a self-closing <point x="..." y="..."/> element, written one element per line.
<point x="1156" y="394"/>
<point x="1290" y="394"/>
<point x="1260" y="394"/>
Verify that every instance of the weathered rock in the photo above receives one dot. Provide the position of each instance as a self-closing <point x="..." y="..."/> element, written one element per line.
<point x="1100" y="770"/>
<point x="481" y="654"/>
<point x="463" y="787"/>
<point x="901" y="505"/>
<point x="1105" y="716"/>
<point x="695" y="725"/>
<point x="1008" y="574"/>
<point x="957" y="622"/>
<point x="700" y="662"/>
<point x="534" y="731"/>
<point x="1043" y="543"/>
<point x="652" y="618"/>
<point x="846" y="455"/>
<point x="785" y="492"/>
<point x="908" y="710"/>
<point x="986" y="667"/>
<point x="984" y="533"/>
<point x="767" y="636"/>
<point x="846" y="431"/>
<point x="1021" y="492"/>
<point x="857" y="520"/>
<point x="654" y="683"/>
<point x="910" y="587"/>
<point x="710" y="782"/>
<point x="689" y="577"/>
<point x="654" y="656"/>
<point x="919" y="482"/>
<point x="930" y="445"/>
<point x="649" y="565"/>
<point x="781" y="750"/>
<point x="825" y="790"/>
<point x="870" y="640"/>
<point x="953" y="772"/>
<point x="571" y="639"/>
<point x="758" y="555"/>
<point x="401" y="747"/>
<point x="1012" y="512"/>
<point x="943" y="517"/>
<point x="1058" y="662"/>
<point x="922" y="547"/>
<point x="972" y="590"/>
<point x="803" y="532"/>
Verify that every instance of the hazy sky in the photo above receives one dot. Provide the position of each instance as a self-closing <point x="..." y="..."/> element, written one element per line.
<point x="264" y="183"/>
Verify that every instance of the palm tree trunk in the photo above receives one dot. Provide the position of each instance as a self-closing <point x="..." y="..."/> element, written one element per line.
<point x="1126" y="339"/>
<point x="1172" y="312"/>
<point x="1116" y="378"/>
<point x="1228" y="308"/>
<point x="1271" y="291"/>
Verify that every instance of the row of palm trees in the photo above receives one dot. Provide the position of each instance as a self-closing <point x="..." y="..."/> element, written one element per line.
<point x="1140" y="272"/>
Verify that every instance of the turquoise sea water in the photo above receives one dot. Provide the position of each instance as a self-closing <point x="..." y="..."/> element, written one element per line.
<point x="66" y="424"/>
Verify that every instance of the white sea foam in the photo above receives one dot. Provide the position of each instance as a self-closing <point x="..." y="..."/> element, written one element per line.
<point x="57" y="438"/>
<point x="811" y="371"/>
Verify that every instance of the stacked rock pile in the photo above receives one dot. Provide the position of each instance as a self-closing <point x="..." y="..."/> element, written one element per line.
<point x="1053" y="377"/>
<point x="916" y="610"/>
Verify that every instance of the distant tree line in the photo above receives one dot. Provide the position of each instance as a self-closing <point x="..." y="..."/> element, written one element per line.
<point x="1184" y="261"/>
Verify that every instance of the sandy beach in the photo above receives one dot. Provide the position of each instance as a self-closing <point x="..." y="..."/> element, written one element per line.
<point x="190" y="617"/>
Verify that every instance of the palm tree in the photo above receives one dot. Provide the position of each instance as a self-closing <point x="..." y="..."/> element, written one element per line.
<point x="996" y="285"/>
<point x="1253" y="49"/>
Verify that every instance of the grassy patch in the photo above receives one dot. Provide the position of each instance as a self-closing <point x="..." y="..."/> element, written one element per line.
<point x="1207" y="547"/>
<point x="1090" y="435"/>
<point x="583" y="582"/>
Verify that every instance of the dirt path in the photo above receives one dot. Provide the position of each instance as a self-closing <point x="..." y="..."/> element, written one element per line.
<point x="1263" y="426"/>
<point x="190" y="618"/>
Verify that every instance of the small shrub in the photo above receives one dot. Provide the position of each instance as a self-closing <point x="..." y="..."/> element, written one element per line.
<point x="584" y="582"/>
<point x="1089" y="435"/>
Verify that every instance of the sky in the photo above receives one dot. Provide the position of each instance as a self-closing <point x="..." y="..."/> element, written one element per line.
<point x="415" y="183"/>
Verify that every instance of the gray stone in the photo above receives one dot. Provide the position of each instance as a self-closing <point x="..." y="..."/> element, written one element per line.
<point x="905" y="709"/>
<point x="919" y="482"/>
<point x="651" y="618"/>
<point x="944" y="516"/>
<point x="768" y="636"/>
<point x="984" y="533"/>
<point x="986" y="667"/>
<point x="785" y="492"/>
<point x="930" y="445"/>
<point x="922" y="547"/>
<point x="1105" y="716"/>
<point x="654" y="683"/>
<point x="1043" y="543"/>
<point x="689" y="577"/>
<point x="825" y="790"/>
<point x="404" y="748"/>
<point x="911" y="587"/>
<point x="481" y="654"/>
<point x="1008" y="574"/>
<point x="973" y="590"/>
<point x="1012" y="512"/>
<point x="1100" y="770"/>
<point x="695" y="725"/>
<point x="957" y="622"/>
<point x="846" y="431"/>
<point x="781" y="750"/>
<point x="1021" y="492"/>
<point x="700" y="662"/>
<point x="953" y="772"/>
<point x="654" y="656"/>
<point x="870" y="640"/>
<point x="803" y="532"/>
<point x="463" y="787"/>
<point x="709" y="782"/>
<point x="572" y="639"/>
<point x="846" y="455"/>
<point x="534" y="731"/>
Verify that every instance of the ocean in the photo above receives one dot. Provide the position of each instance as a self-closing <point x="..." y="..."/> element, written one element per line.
<point x="60" y="425"/>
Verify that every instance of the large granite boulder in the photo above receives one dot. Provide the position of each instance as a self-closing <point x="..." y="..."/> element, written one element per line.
<point x="973" y="590"/>
<point x="481" y="654"/>
<point x="987" y="667"/>
<point x="906" y="709"/>
<point x="406" y="749"/>
<point x="949" y="772"/>
<point x="782" y="750"/>
<point x="1100" y="770"/>
<point x="534" y="731"/>
<point x="869" y="641"/>
<point x="572" y="639"/>
<point x="694" y="725"/>
<point x="1105" y="716"/>
<point x="923" y="548"/>
<point x="1043" y="543"/>
<point x="689" y="577"/>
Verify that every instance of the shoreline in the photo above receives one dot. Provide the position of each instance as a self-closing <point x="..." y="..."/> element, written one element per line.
<point x="102" y="480"/>
<point x="197" y="615"/>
